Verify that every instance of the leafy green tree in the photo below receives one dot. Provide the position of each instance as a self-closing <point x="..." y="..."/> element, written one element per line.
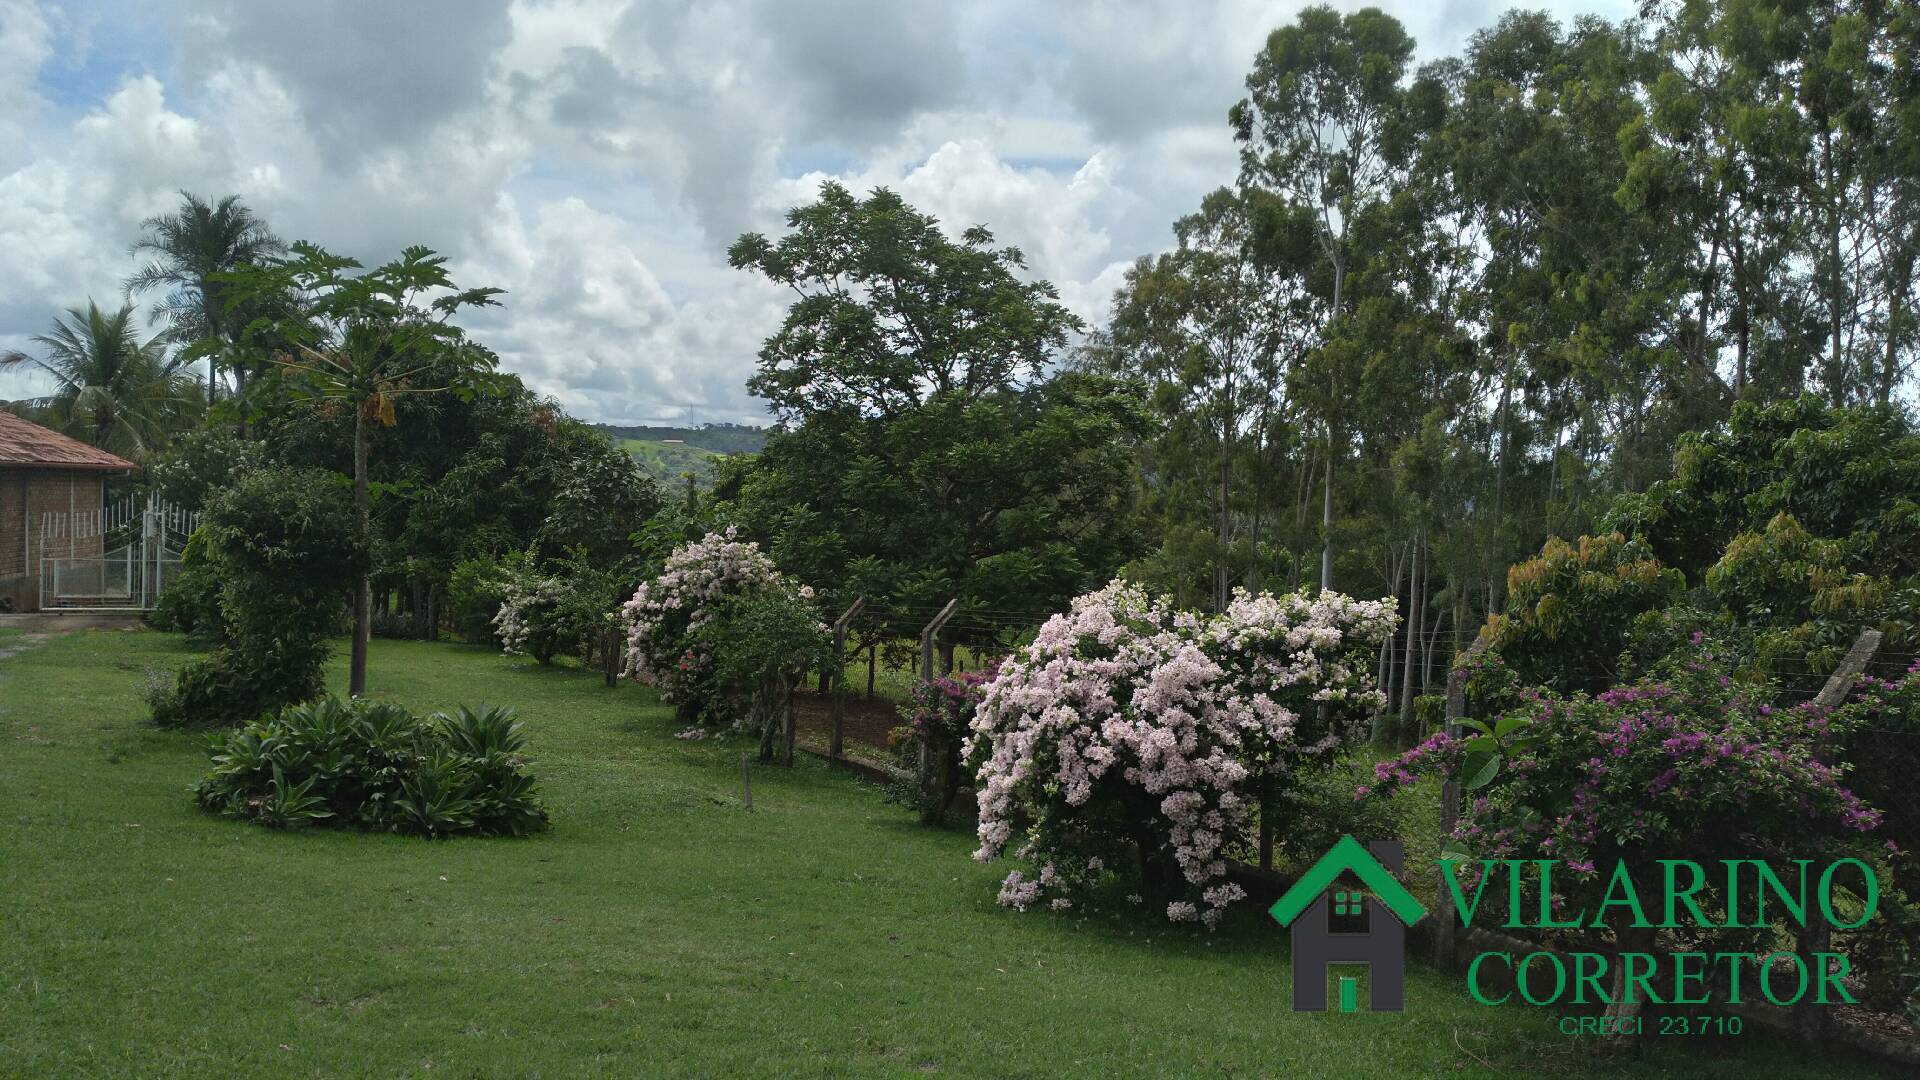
<point x="366" y="341"/>
<point x="1214" y="327"/>
<point x="926" y="454"/>
<point x="278" y="544"/>
<point x="190" y="249"/>
<point x="110" y="388"/>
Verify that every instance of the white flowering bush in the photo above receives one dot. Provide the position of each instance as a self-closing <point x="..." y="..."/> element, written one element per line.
<point x="530" y="617"/>
<point x="665" y="619"/>
<point x="1129" y="735"/>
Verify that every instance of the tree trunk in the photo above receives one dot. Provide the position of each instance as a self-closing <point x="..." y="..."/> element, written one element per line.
<point x="1743" y="317"/>
<point x="1836" y="388"/>
<point x="363" y="527"/>
<point x="1620" y="1011"/>
<point x="789" y="724"/>
<point x="1326" y="519"/>
<point x="1413" y="634"/>
<point x="1220" y="541"/>
<point x="763" y="715"/>
<point x="873" y="664"/>
<point x="1385" y="666"/>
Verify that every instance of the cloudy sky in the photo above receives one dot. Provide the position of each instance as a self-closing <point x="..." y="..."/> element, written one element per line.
<point x="595" y="157"/>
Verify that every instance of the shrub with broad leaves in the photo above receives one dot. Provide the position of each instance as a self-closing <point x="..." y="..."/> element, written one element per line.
<point x="1132" y="735"/>
<point x="375" y="766"/>
<point x="280" y="544"/>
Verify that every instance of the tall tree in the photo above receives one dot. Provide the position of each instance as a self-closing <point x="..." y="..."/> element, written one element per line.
<point x="190" y="248"/>
<point x="1325" y="125"/>
<point x="111" y="388"/>
<point x="366" y="340"/>
<point x="927" y="452"/>
<point x="1214" y="326"/>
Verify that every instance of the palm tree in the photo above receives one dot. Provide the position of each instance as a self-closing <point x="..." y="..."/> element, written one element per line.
<point x="190" y="247"/>
<point x="111" y="389"/>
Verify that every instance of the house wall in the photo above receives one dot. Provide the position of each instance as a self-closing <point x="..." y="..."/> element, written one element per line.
<point x="26" y="494"/>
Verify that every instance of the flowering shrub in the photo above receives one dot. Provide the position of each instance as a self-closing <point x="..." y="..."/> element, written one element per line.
<point x="1688" y="763"/>
<point x="938" y="716"/>
<point x="563" y="608"/>
<point x="529" y="620"/>
<point x="1131" y="734"/>
<point x="666" y="615"/>
<point x="1878" y="733"/>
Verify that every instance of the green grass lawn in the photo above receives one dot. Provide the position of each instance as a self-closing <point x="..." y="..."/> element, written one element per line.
<point x="658" y="928"/>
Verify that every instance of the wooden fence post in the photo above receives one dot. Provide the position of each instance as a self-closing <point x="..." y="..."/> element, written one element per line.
<point x="1817" y="935"/>
<point x="1443" y="934"/>
<point x="840" y="675"/>
<point x="926" y="668"/>
<point x="927" y="636"/>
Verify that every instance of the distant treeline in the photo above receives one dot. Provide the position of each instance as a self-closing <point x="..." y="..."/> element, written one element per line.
<point x="719" y="438"/>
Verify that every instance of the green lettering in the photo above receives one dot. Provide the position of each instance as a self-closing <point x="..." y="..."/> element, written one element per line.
<point x="1632" y="901"/>
<point x="1766" y="978"/>
<point x="1546" y="901"/>
<point x="1832" y="977"/>
<point x="1513" y="894"/>
<point x="1450" y="869"/>
<point x="1869" y="902"/>
<point x="1473" y="978"/>
<point x="1697" y="880"/>
<point x="1682" y="976"/>
<point x="1559" y="978"/>
<point x="1639" y="972"/>
<point x="1733" y="973"/>
<point x="1583" y="978"/>
<point x="1796" y="905"/>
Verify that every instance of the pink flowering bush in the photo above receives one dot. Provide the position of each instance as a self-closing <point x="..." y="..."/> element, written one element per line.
<point x="939" y="716"/>
<point x="1133" y="738"/>
<point x="667" y="616"/>
<point x="1689" y="763"/>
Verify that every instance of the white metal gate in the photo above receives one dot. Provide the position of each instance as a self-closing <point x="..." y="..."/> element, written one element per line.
<point x="118" y="558"/>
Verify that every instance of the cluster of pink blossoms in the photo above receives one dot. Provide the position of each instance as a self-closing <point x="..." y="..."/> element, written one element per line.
<point x="1128" y="722"/>
<point x="665" y="612"/>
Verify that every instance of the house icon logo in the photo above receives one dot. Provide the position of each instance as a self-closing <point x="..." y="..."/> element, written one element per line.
<point x="1348" y="926"/>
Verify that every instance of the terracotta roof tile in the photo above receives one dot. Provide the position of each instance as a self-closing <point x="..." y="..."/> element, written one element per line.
<point x="26" y="445"/>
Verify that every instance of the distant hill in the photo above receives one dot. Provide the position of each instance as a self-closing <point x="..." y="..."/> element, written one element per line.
<point x="719" y="438"/>
<point x="669" y="453"/>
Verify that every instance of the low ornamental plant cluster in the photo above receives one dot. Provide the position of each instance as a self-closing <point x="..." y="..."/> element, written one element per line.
<point x="1689" y="763"/>
<point x="1131" y="734"/>
<point x="666" y="616"/>
<point x="378" y="767"/>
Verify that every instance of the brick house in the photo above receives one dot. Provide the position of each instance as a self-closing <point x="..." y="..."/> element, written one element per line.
<point x="43" y="471"/>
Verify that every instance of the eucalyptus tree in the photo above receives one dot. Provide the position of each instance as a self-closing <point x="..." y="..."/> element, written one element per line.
<point x="189" y="250"/>
<point x="1214" y="327"/>
<point x="1326" y="125"/>
<point x="365" y="340"/>
<point x="110" y="388"/>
